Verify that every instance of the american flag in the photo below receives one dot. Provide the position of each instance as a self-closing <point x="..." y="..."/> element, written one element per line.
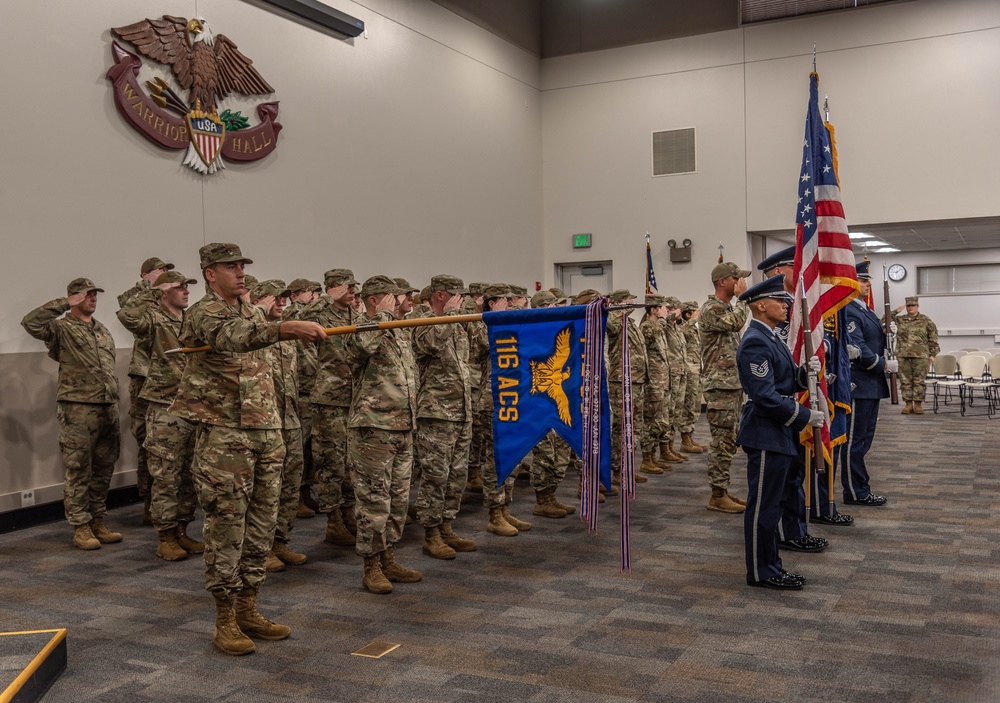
<point x="824" y="260"/>
<point x="650" y="275"/>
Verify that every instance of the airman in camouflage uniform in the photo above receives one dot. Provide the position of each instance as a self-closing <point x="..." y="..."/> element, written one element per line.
<point x="620" y="322"/>
<point x="284" y="357"/>
<point x="444" y="420"/>
<point x="658" y="409"/>
<point x="229" y="391"/>
<point x="382" y="418"/>
<point x="677" y="355"/>
<point x="916" y="347"/>
<point x="720" y="326"/>
<point x="331" y="400"/>
<point x="87" y="407"/>
<point x="157" y="314"/>
<point x="137" y="368"/>
<point x="691" y="406"/>
<point x="302" y="293"/>
<point x="478" y="346"/>
<point x="552" y="456"/>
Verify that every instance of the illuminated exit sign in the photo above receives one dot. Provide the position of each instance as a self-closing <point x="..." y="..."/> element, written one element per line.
<point x="581" y="241"/>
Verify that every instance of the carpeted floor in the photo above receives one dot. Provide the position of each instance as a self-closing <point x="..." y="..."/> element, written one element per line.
<point x="903" y="607"/>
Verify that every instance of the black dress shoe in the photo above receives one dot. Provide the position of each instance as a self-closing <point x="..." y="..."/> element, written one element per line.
<point x="840" y="519"/>
<point x="781" y="582"/>
<point x="796" y="577"/>
<point x="805" y="544"/>
<point x="870" y="499"/>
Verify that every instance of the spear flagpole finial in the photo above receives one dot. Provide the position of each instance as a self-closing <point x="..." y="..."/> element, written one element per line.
<point x="721" y="248"/>
<point x="647" y="237"/>
<point x="814" y="57"/>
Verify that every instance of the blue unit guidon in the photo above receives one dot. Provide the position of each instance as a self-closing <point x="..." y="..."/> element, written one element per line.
<point x="538" y="360"/>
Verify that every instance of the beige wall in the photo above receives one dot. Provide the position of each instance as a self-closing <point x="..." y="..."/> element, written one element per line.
<point x="412" y="151"/>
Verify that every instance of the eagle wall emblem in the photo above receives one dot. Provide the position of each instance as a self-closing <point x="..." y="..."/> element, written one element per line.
<point x="209" y="67"/>
<point x="547" y="375"/>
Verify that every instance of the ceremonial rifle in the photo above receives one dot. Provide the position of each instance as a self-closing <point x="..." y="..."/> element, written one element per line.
<point x="890" y="338"/>
<point x="813" y="385"/>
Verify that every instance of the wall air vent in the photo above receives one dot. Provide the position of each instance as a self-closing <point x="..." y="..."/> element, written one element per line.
<point x="763" y="10"/>
<point x="673" y="152"/>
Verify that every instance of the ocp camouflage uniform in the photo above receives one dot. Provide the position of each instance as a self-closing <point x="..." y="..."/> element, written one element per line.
<point x="444" y="419"/>
<point x="239" y="452"/>
<point x="137" y="370"/>
<point x="690" y="408"/>
<point x="284" y="365"/>
<point x="308" y="366"/>
<point x="331" y="400"/>
<point x="677" y="357"/>
<point x="657" y="411"/>
<point x="169" y="439"/>
<point x="637" y="350"/>
<point x="380" y="434"/>
<point x="478" y="345"/>
<point x="87" y="405"/>
<point x="720" y="326"/>
<point x="916" y="343"/>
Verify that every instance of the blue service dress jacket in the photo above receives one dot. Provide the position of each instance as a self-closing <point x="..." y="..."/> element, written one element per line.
<point x="865" y="331"/>
<point x="772" y="417"/>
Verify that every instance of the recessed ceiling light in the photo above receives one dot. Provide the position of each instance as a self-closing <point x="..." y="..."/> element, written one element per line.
<point x="860" y="235"/>
<point x="885" y="250"/>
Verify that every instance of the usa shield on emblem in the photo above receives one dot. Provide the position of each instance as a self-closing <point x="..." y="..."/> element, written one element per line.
<point x="207" y="134"/>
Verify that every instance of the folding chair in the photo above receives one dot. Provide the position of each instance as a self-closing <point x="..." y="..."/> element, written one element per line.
<point x="993" y="392"/>
<point x="958" y="353"/>
<point x="972" y="368"/>
<point x="946" y="370"/>
<point x="970" y="349"/>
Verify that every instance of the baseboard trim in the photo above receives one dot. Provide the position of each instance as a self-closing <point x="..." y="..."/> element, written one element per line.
<point x="23" y="518"/>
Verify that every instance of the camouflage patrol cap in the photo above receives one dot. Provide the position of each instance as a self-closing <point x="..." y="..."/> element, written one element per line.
<point x="726" y="270"/>
<point x="655" y="301"/>
<point x="496" y="290"/>
<point x="379" y="285"/>
<point x="672" y="302"/>
<point x="82" y="285"/>
<point x="339" y="277"/>
<point x="155" y="263"/>
<point x="249" y="281"/>
<point x="448" y="284"/>
<point x="221" y="253"/>
<point x="477" y="288"/>
<point x="543" y="299"/>
<point x="621" y="295"/>
<point x="912" y="300"/>
<point x="424" y="294"/>
<point x="302" y="285"/>
<point x="272" y="286"/>
<point x="518" y="291"/>
<point x="557" y="292"/>
<point x="172" y="277"/>
<point x="585" y="296"/>
<point x="404" y="286"/>
<point x="690" y="306"/>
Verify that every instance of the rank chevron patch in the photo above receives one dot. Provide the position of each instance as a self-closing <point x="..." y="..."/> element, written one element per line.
<point x="759" y="370"/>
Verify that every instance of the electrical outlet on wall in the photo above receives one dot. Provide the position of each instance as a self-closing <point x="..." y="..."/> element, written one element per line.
<point x="27" y="498"/>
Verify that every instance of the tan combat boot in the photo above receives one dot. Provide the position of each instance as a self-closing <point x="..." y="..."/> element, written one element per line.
<point x="459" y="544"/>
<point x="600" y="493"/>
<point x="374" y="580"/>
<point x="347" y="515"/>
<point x="908" y="408"/>
<point x="394" y="571"/>
<point x="287" y="555"/>
<point x="519" y="525"/>
<point x="253" y="623"/>
<point x="84" y="539"/>
<point x="544" y="507"/>
<point x="228" y="636"/>
<point x="475" y="482"/>
<point x="670" y="454"/>
<point x="305" y="510"/>
<point x="569" y="509"/>
<point x="721" y="502"/>
<point x="736" y="500"/>
<point x="102" y="533"/>
<point x="168" y="548"/>
<point x="648" y="465"/>
<point x="918" y="407"/>
<point x="434" y="546"/>
<point x="189" y="545"/>
<point x="273" y="564"/>
<point x="498" y="525"/>
<point x="689" y="445"/>
<point x="336" y="532"/>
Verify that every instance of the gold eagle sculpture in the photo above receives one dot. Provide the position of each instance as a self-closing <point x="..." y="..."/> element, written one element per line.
<point x="208" y="66"/>
<point x="547" y="376"/>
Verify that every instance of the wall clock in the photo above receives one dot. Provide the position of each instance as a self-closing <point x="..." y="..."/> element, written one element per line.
<point x="897" y="272"/>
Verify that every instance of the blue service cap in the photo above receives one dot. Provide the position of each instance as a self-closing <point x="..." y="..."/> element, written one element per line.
<point x="863" y="274"/>
<point x="773" y="287"/>
<point x="785" y="257"/>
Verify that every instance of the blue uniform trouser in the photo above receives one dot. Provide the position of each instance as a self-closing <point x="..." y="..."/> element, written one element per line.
<point x="766" y="476"/>
<point x="860" y="433"/>
<point x="793" y="501"/>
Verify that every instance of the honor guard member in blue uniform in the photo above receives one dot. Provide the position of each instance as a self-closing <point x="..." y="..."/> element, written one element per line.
<point x="794" y="528"/>
<point x="868" y="387"/>
<point x="769" y="428"/>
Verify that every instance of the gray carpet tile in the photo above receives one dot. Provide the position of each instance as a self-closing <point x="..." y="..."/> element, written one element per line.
<point x="903" y="607"/>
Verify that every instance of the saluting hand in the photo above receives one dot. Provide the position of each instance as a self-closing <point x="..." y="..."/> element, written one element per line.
<point x="387" y="303"/>
<point x="151" y="276"/>
<point x="454" y="302"/>
<point x="76" y="298"/>
<point x="741" y="287"/>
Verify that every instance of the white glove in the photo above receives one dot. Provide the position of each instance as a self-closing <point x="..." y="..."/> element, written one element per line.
<point x="891" y="365"/>
<point x="853" y="352"/>
<point x="814" y="364"/>
<point x="816" y="418"/>
<point x="893" y="327"/>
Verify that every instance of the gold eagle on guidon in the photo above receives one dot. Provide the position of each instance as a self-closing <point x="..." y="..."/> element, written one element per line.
<point x="547" y="376"/>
